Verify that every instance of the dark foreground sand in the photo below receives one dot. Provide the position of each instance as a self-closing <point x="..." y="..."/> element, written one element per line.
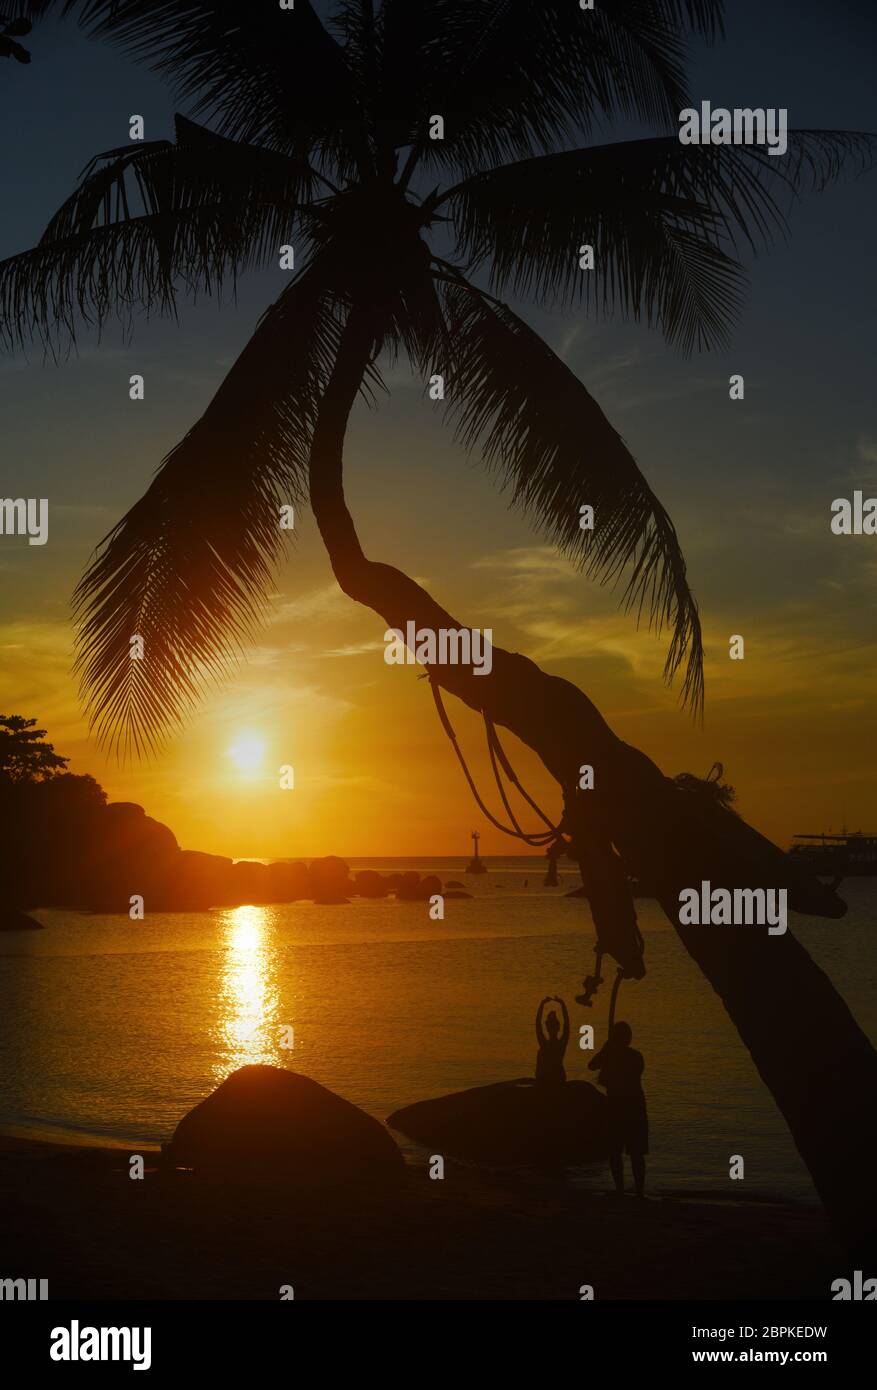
<point x="73" y="1215"/>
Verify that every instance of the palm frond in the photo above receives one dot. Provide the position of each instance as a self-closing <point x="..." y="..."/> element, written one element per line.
<point x="704" y="17"/>
<point x="268" y="76"/>
<point x="146" y="220"/>
<point x="538" y="428"/>
<point x="514" y="77"/>
<point x="666" y="222"/>
<point x="189" y="568"/>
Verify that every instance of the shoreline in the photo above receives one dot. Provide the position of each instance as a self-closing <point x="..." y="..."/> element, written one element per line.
<point x="59" y="1137"/>
<point x="76" y="1218"/>
<point x="15" y="1138"/>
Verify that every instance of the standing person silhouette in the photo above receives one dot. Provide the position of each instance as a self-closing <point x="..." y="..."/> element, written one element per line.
<point x="621" y="1068"/>
<point x="552" y="1043"/>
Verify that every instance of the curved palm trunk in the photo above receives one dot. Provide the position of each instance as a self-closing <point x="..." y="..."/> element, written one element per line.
<point x="809" y="1050"/>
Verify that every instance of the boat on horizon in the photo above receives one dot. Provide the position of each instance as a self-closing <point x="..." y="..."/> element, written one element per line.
<point x="851" y="854"/>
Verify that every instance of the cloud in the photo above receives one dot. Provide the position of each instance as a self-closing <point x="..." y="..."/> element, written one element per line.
<point x="529" y="560"/>
<point x="323" y="602"/>
<point x="866" y="451"/>
<point x="354" y="649"/>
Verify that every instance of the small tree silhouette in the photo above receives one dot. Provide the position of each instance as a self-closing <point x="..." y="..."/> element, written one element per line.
<point x="24" y="754"/>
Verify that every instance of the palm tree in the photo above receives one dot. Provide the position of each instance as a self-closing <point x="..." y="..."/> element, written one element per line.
<point x="321" y="138"/>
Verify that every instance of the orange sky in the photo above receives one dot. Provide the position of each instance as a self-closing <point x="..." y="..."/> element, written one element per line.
<point x="749" y="486"/>
<point x="374" y="773"/>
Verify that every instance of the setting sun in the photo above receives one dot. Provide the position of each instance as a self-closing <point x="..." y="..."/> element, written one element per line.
<point x="247" y="752"/>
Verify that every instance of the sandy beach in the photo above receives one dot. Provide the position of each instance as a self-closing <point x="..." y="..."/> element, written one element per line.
<point x="74" y="1216"/>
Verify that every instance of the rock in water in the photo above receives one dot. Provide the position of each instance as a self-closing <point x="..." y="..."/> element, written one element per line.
<point x="408" y="888"/>
<point x="369" y="884"/>
<point x="19" y="921"/>
<point x="250" y="882"/>
<point x="330" y="880"/>
<point x="288" y="882"/>
<point x="513" y="1122"/>
<point x="271" y="1120"/>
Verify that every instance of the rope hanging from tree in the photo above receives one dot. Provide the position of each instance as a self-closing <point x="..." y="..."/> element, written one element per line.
<point x="498" y="759"/>
<point x="553" y="835"/>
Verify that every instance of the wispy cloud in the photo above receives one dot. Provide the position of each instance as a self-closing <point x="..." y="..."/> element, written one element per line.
<point x="323" y="602"/>
<point x="529" y="560"/>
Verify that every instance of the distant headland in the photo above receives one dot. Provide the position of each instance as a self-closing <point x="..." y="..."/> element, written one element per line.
<point x="101" y="860"/>
<point x="65" y="846"/>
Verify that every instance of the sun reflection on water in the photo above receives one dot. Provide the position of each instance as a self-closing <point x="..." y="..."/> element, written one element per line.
<point x="246" y="1027"/>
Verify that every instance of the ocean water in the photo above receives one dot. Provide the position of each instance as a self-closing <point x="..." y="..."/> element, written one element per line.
<point x="113" y="1029"/>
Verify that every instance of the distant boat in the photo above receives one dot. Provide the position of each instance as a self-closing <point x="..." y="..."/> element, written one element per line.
<point x="852" y="854"/>
<point x="475" y="865"/>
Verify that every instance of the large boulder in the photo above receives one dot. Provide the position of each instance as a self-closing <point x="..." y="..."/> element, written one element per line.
<point x="330" y="880"/>
<point x="287" y="882"/>
<point x="250" y="883"/>
<point x="413" y="888"/>
<point x="408" y="889"/>
<point x="370" y="884"/>
<point x="272" y="1120"/>
<point x="131" y="834"/>
<point x="512" y="1122"/>
<point x="430" y="884"/>
<point x="132" y="854"/>
<point x="196" y="881"/>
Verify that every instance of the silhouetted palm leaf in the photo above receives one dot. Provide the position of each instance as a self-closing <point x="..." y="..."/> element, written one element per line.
<point x="148" y="218"/>
<point x="190" y="567"/>
<point x="663" y="219"/>
<point x="510" y="77"/>
<point x="266" y="75"/>
<point x="310" y="120"/>
<point x="532" y="421"/>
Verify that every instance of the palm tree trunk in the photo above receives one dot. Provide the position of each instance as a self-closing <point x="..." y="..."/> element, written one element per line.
<point x="807" y="1047"/>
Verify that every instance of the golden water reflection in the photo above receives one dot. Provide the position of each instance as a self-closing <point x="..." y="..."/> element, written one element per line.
<point x="247" y="1025"/>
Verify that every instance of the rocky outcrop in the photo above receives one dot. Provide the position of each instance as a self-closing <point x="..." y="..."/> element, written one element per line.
<point x="69" y="848"/>
<point x="275" y="1121"/>
<point x="512" y="1122"/>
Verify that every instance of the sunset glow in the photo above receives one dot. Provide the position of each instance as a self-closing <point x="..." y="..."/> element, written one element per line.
<point x="248" y="752"/>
